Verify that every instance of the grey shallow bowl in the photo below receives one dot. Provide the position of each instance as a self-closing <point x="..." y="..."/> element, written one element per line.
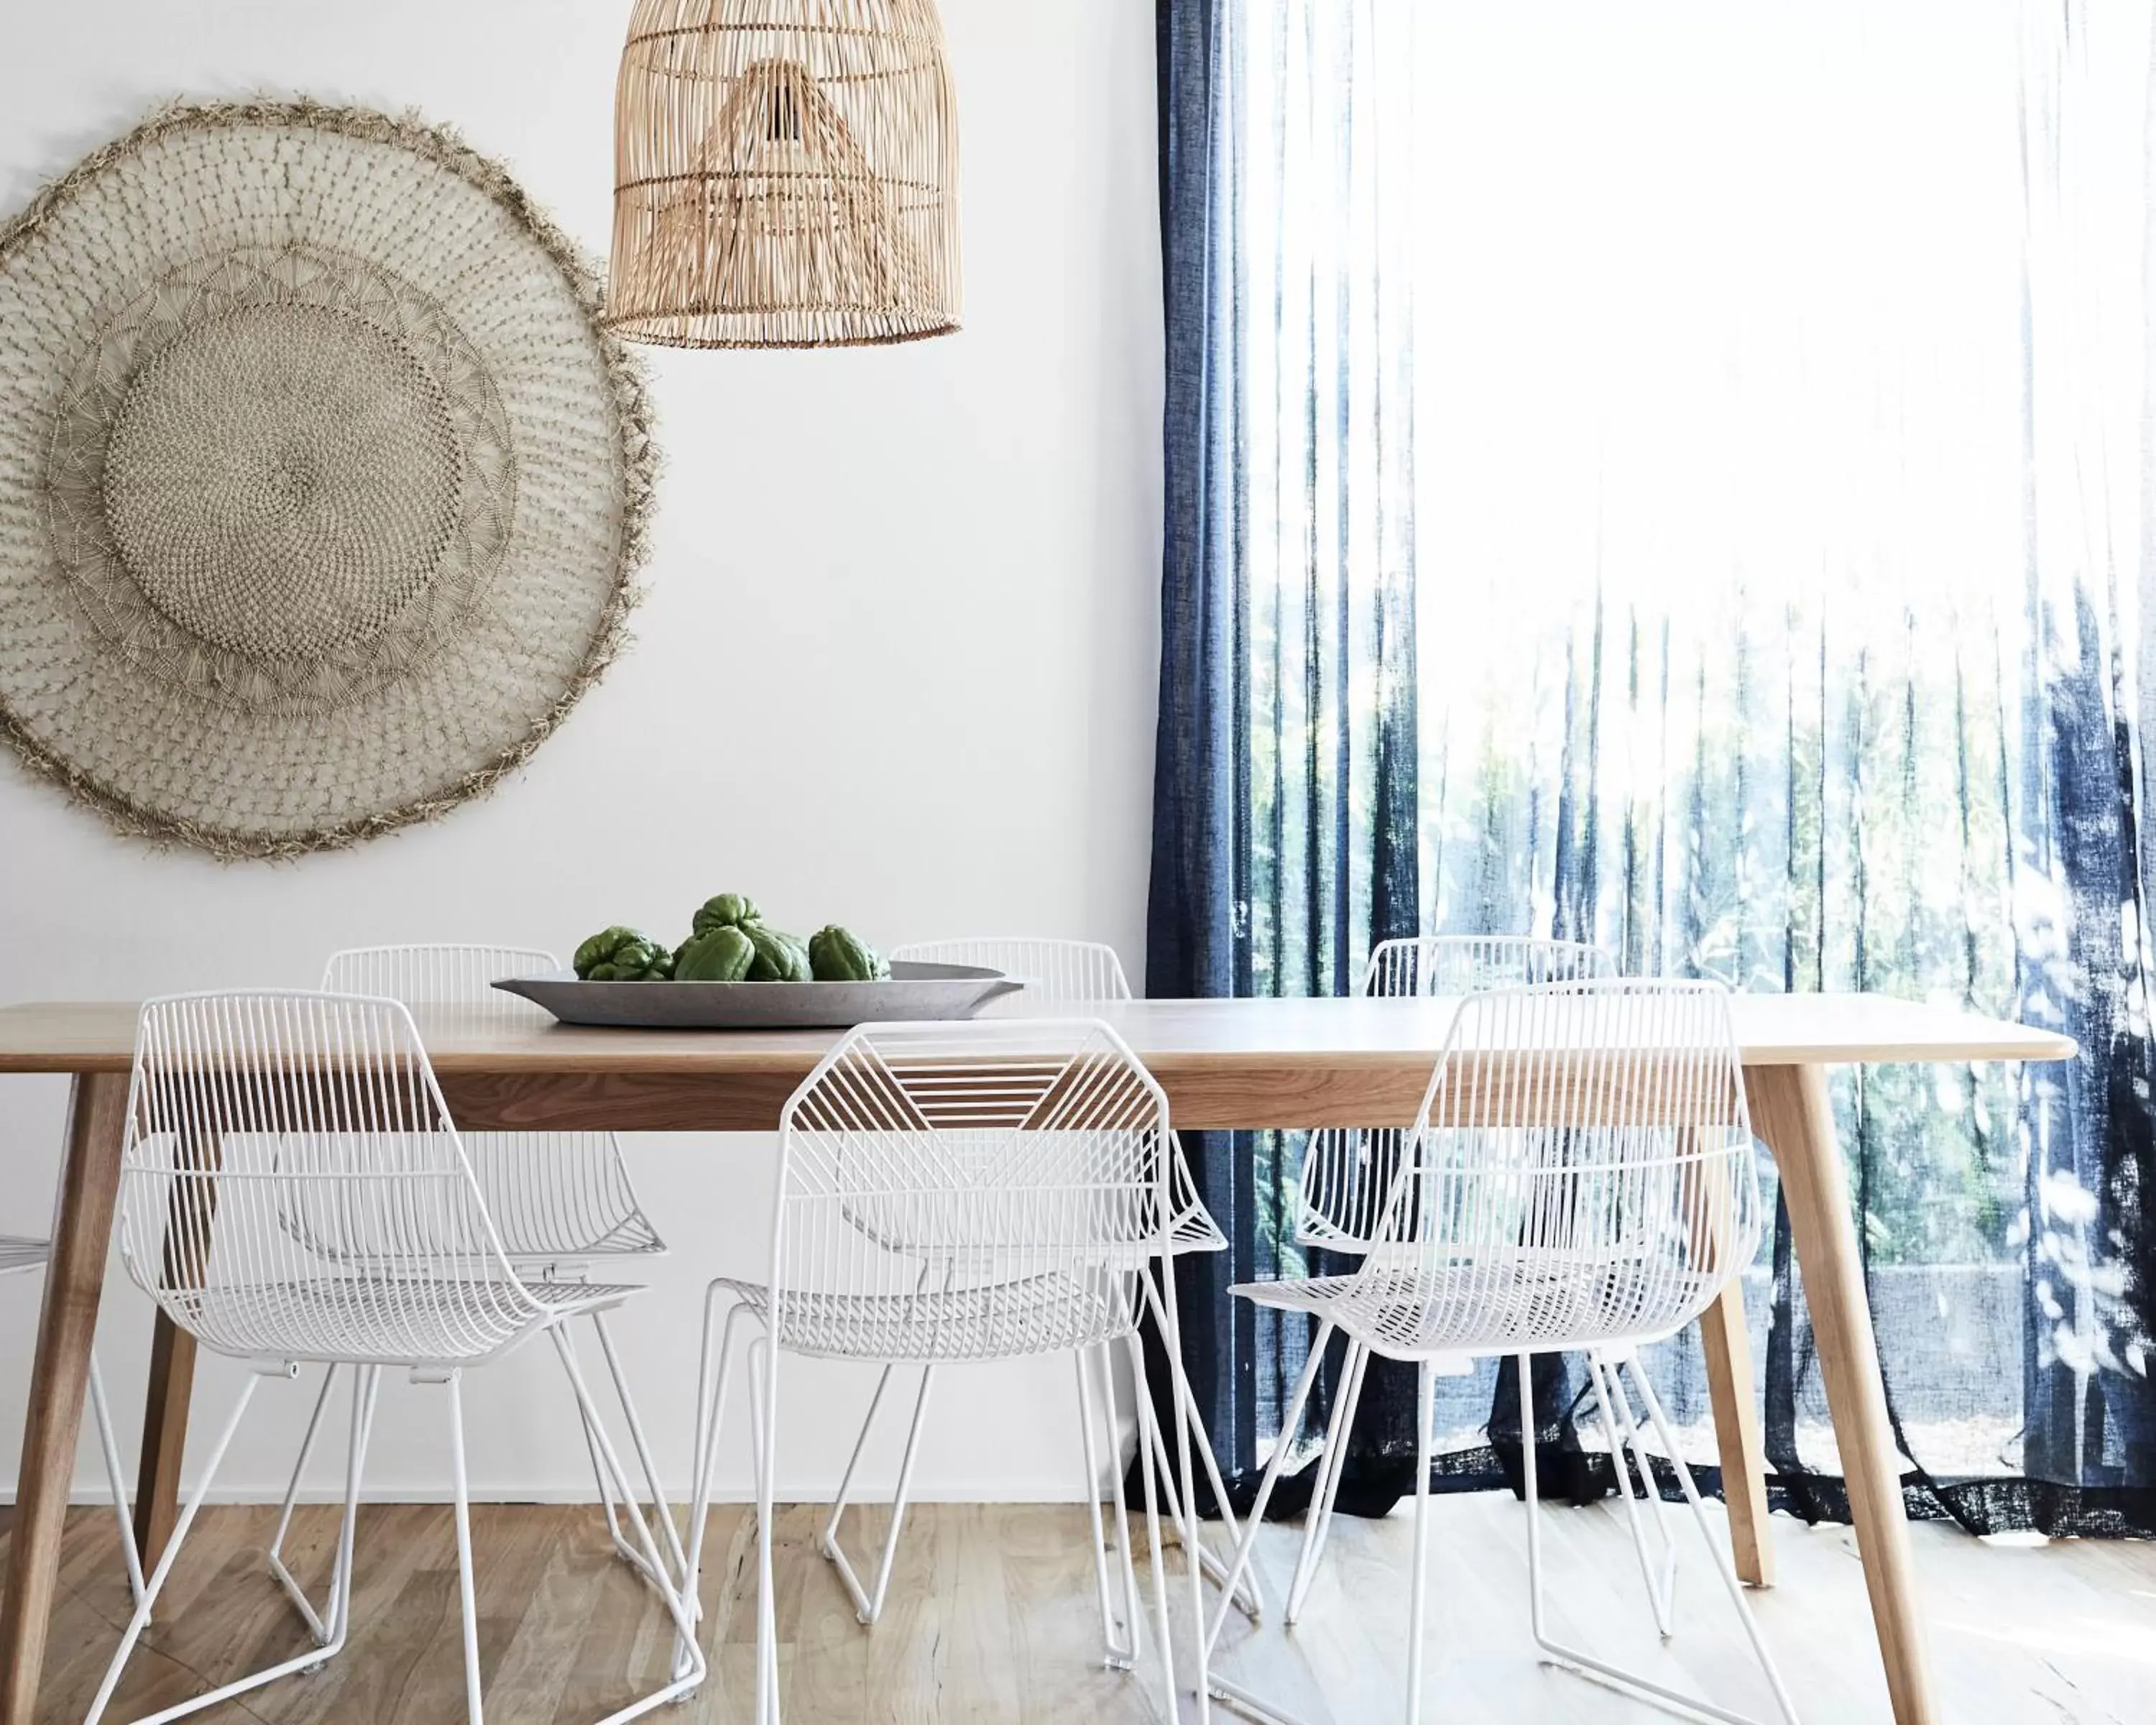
<point x="914" y="991"/>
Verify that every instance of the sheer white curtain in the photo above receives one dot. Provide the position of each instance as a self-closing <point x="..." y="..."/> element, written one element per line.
<point x="1717" y="433"/>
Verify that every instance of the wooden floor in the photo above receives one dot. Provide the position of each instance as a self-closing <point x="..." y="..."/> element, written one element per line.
<point x="991" y="1617"/>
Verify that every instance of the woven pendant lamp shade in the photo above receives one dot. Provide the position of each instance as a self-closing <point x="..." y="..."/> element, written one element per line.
<point x="785" y="175"/>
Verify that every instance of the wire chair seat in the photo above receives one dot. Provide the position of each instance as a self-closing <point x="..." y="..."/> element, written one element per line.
<point x="539" y="1253"/>
<point x="1005" y="1320"/>
<point x="598" y="1221"/>
<point x="556" y="1198"/>
<point x="1192" y="1228"/>
<point x="1316" y="1229"/>
<point x="1478" y="1309"/>
<point x="377" y="1320"/>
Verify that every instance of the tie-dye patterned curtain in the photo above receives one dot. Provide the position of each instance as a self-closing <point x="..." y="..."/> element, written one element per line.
<point x="1674" y="476"/>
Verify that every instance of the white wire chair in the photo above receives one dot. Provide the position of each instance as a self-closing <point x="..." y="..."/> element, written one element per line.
<point x="1056" y="971"/>
<point x="969" y="1191"/>
<point x="1347" y="1170"/>
<point x="292" y="1188"/>
<point x="562" y="1202"/>
<point x="18" y="1256"/>
<point x="1581" y="1175"/>
<point x="1063" y="974"/>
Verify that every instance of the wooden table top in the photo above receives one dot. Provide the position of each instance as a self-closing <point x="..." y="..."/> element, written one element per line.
<point x="1223" y="1063"/>
<point x="1771" y="1031"/>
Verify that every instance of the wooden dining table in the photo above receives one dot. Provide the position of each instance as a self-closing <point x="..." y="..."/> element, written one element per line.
<point x="1223" y="1064"/>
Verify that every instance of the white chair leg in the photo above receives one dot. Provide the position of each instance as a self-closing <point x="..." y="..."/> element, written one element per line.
<point x="869" y="1606"/>
<point x="1113" y="1423"/>
<point x="606" y="1499"/>
<point x="1171" y="1337"/>
<point x="156" y="1584"/>
<point x="767" y="1469"/>
<point x="1600" y="1670"/>
<point x="1245" y="1700"/>
<point x="689" y="1669"/>
<point x="649" y="1562"/>
<point x="363" y="1397"/>
<point x="1113" y="1655"/>
<point x="830" y="1541"/>
<point x="1530" y="1490"/>
<point x="1318" y="1519"/>
<point x="1605" y="1396"/>
<point x="1250" y="1595"/>
<point x="340" y="1618"/>
<point x="473" y="1709"/>
<point x="1142" y="1396"/>
<point x="1717" y="1548"/>
<point x="1418" y="1589"/>
<point x="713" y="1374"/>
<point x="131" y="1554"/>
<point x="660" y="1509"/>
<point x="1246" y="1596"/>
<point x="853" y="1460"/>
<point x="1091" y="1474"/>
<point x="1662" y="1521"/>
<point x="330" y="1630"/>
<point x="316" y="1625"/>
<point x="617" y="1497"/>
<point x="1318" y="1522"/>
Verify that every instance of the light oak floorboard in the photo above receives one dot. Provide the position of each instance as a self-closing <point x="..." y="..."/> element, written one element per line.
<point x="992" y="1617"/>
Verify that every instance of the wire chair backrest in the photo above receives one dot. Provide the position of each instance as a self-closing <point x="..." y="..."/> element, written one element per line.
<point x="1582" y="1170"/>
<point x="556" y="1196"/>
<point x="292" y="1186"/>
<point x="1473" y="964"/>
<point x="1061" y="972"/>
<point x="1056" y="972"/>
<point x="1347" y="1170"/>
<point x="451" y="982"/>
<point x="987" y="1187"/>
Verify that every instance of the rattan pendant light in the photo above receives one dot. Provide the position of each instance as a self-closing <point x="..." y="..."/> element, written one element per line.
<point x="785" y="175"/>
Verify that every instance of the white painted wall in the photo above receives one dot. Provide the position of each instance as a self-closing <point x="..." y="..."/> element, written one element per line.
<point x="896" y="667"/>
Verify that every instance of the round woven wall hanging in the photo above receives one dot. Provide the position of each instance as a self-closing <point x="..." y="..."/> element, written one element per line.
<point x="322" y="488"/>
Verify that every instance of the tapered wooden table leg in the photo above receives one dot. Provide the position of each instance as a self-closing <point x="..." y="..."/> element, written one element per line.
<point x="1791" y="1111"/>
<point x="1727" y="1346"/>
<point x="189" y="1218"/>
<point x="164" y="1437"/>
<point x="74" y="1279"/>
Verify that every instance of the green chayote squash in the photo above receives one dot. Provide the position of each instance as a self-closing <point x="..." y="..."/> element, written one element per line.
<point x="718" y="955"/>
<point x="779" y="957"/>
<point x="839" y="955"/>
<point x="729" y="910"/>
<point x="623" y="955"/>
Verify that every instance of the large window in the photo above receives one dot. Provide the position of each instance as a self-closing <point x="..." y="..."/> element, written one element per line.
<point x="1689" y="456"/>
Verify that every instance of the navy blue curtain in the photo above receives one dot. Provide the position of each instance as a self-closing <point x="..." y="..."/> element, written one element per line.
<point x="1823" y="670"/>
<point x="1286" y="801"/>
